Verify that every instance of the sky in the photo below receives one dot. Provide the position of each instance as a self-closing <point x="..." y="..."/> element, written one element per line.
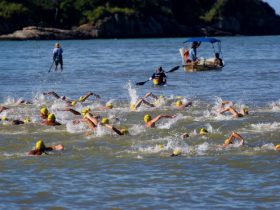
<point x="275" y="4"/>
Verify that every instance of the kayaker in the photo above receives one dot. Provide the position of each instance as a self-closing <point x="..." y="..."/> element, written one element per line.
<point x="159" y="77"/>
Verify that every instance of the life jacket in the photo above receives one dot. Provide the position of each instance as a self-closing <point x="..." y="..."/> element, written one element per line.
<point x="158" y="79"/>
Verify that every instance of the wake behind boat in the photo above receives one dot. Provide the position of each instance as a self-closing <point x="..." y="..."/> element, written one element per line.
<point x="191" y="63"/>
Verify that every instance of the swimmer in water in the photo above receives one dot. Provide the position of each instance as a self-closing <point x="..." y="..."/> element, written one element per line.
<point x="180" y="105"/>
<point x="40" y="148"/>
<point x="155" y="103"/>
<point x="12" y="122"/>
<point x="51" y="121"/>
<point x="231" y="139"/>
<point x="44" y="112"/>
<point x="72" y="102"/>
<point x="235" y="114"/>
<point x="243" y="111"/>
<point x="150" y="123"/>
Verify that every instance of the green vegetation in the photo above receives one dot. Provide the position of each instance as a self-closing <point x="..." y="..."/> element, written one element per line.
<point x="101" y="12"/>
<point x="9" y="10"/>
<point x="243" y="14"/>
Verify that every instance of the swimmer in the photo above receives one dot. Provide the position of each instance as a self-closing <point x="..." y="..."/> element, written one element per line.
<point x="72" y="102"/>
<point x="150" y="123"/>
<point x="105" y="123"/>
<point x="134" y="107"/>
<point x="44" y="112"/>
<point x="180" y="105"/>
<point x="13" y="122"/>
<point x="51" y="121"/>
<point x="230" y="140"/>
<point x="40" y="148"/>
<point x="235" y="114"/>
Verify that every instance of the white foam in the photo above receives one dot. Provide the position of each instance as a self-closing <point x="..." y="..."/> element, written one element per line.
<point x="76" y="128"/>
<point x="265" y="127"/>
<point x="132" y="93"/>
<point x="170" y="122"/>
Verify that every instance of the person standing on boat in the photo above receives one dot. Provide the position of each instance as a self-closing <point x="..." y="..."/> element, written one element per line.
<point x="159" y="77"/>
<point x="192" y="52"/>
<point x="57" y="56"/>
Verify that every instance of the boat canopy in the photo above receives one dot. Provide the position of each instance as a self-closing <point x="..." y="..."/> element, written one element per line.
<point x="201" y="39"/>
<point x="209" y="40"/>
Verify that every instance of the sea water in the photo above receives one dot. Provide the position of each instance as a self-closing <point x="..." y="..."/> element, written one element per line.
<point x="106" y="171"/>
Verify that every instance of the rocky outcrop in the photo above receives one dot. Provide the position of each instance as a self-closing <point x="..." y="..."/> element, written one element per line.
<point x="202" y="18"/>
<point x="36" y="33"/>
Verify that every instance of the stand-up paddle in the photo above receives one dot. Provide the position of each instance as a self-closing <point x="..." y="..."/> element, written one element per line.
<point x="51" y="66"/>
<point x="171" y="70"/>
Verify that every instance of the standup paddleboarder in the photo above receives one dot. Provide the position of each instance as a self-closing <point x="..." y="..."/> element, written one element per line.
<point x="57" y="56"/>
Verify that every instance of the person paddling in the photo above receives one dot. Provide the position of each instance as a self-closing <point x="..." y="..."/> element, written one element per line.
<point x="57" y="56"/>
<point x="159" y="77"/>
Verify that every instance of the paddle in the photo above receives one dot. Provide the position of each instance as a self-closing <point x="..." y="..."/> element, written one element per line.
<point x="51" y="66"/>
<point x="171" y="70"/>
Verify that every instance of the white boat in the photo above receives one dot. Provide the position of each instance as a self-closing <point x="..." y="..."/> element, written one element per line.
<point x="204" y="64"/>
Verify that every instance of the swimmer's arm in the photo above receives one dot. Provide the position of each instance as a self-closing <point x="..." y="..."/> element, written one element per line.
<point x="91" y="125"/>
<point x="53" y="94"/>
<point x="147" y="103"/>
<point x="70" y="110"/>
<point x="85" y="97"/>
<point x="162" y="116"/>
<point x="150" y="94"/>
<point x="2" y="108"/>
<point x="117" y="131"/>
<point x="239" y="137"/>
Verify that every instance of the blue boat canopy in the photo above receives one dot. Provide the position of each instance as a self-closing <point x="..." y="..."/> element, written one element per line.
<point x="211" y="40"/>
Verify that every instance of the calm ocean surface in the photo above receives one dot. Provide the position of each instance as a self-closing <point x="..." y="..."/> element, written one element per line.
<point x="106" y="171"/>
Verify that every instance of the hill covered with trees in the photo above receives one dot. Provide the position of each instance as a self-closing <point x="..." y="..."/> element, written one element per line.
<point x="135" y="18"/>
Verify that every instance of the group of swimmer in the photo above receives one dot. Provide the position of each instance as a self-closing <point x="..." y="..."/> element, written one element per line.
<point x="93" y="121"/>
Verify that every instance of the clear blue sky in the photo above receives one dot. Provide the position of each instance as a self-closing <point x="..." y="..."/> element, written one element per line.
<point x="275" y="4"/>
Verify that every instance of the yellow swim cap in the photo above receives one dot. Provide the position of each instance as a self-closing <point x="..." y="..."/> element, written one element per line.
<point x="176" y="152"/>
<point x="44" y="111"/>
<point x="26" y="120"/>
<point x="161" y="96"/>
<point x="40" y="145"/>
<point x="105" y="120"/>
<point x="132" y="107"/>
<point x="109" y="105"/>
<point x="74" y="103"/>
<point x="179" y="103"/>
<point x="156" y="81"/>
<point x="4" y="118"/>
<point x="203" y="131"/>
<point x="85" y="111"/>
<point x="147" y="118"/>
<point x="124" y="131"/>
<point x="277" y="147"/>
<point x="51" y="117"/>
